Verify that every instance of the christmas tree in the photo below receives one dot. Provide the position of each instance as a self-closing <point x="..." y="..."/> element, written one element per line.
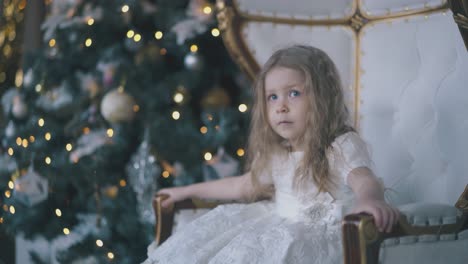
<point x="125" y="97"/>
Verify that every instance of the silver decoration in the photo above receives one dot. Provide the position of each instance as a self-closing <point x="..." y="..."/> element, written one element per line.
<point x="193" y="61"/>
<point x="31" y="188"/>
<point x="143" y="172"/>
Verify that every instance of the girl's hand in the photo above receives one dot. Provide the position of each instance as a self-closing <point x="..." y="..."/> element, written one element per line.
<point x="174" y="194"/>
<point x="385" y="215"/>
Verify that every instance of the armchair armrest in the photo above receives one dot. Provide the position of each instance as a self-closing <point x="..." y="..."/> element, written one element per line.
<point x="362" y="240"/>
<point x="165" y="216"/>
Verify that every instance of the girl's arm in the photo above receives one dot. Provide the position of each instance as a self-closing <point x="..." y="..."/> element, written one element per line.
<point x="370" y="198"/>
<point x="229" y="188"/>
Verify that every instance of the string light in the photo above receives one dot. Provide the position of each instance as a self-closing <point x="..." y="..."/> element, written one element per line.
<point x="11" y="185"/>
<point x="158" y="35"/>
<point x="215" y="32"/>
<point x="58" y="212"/>
<point x="136" y="108"/>
<point x="122" y="183"/>
<point x="99" y="243"/>
<point x="208" y="156"/>
<point x="52" y="43"/>
<point x="18" y="77"/>
<point x="11" y="151"/>
<point x="176" y="115"/>
<point x="125" y="8"/>
<point x="163" y="51"/>
<point x="47" y="136"/>
<point x="165" y="174"/>
<point x="110" y="255"/>
<point x="48" y="160"/>
<point x="86" y="130"/>
<point x="66" y="231"/>
<point x="242" y="108"/>
<point x="90" y="21"/>
<point x="178" y="98"/>
<point x="137" y="37"/>
<point x="207" y="10"/>
<point x="194" y="48"/>
<point x="1" y="220"/>
<point x="203" y="129"/>
<point x="88" y="42"/>
<point x="130" y="33"/>
<point x="40" y="122"/>
<point x="32" y="139"/>
<point x="69" y="147"/>
<point x="110" y="132"/>
<point x="7" y="194"/>
<point x="12" y="209"/>
<point x="240" y="152"/>
<point x="25" y="143"/>
<point x="19" y="141"/>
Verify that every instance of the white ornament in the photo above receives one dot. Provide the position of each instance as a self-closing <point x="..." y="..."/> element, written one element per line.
<point x="117" y="107"/>
<point x="88" y="143"/>
<point x="19" y="108"/>
<point x="31" y="188"/>
<point x="193" y="61"/>
<point x="221" y="165"/>
<point x="10" y="130"/>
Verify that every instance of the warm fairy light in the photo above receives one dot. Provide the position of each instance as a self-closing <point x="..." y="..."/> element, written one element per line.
<point x="88" y="42"/>
<point x="58" y="212"/>
<point x="40" y="122"/>
<point x="208" y="156"/>
<point x="52" y="43"/>
<point x="32" y="139"/>
<point x="125" y="8"/>
<point x="158" y="35"/>
<point x="110" y="255"/>
<point x="178" y="98"/>
<point x="176" y="115"/>
<point x="11" y="185"/>
<point x="207" y="10"/>
<point x="215" y="32"/>
<point x="86" y="130"/>
<point x="194" y="48"/>
<point x="163" y="51"/>
<point x="99" y="243"/>
<point x="69" y="147"/>
<point x="130" y="33"/>
<point x="110" y="132"/>
<point x="242" y="108"/>
<point x="12" y="209"/>
<point x="11" y="151"/>
<point x="38" y="88"/>
<point x="137" y="37"/>
<point x="19" y="141"/>
<point x="48" y="160"/>
<point x="136" y="108"/>
<point x="165" y="174"/>
<point x="66" y="231"/>
<point x="122" y="183"/>
<point x="90" y="21"/>
<point x="7" y="194"/>
<point x="240" y="152"/>
<point x="47" y="136"/>
<point x="203" y="129"/>
<point x="5" y="208"/>
<point x="18" y="76"/>
<point x="25" y="143"/>
<point x="1" y="220"/>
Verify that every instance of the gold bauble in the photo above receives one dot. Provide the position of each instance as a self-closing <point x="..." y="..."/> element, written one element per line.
<point x="216" y="98"/>
<point x="117" y="106"/>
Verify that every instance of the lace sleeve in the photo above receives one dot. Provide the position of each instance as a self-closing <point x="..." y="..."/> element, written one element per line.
<point x="348" y="152"/>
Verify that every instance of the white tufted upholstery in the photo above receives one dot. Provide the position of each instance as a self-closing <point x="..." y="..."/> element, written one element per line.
<point x="404" y="67"/>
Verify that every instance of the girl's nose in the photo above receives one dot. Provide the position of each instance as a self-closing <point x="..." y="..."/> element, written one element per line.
<point x="283" y="108"/>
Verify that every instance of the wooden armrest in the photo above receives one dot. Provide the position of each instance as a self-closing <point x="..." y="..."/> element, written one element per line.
<point x="361" y="238"/>
<point x="165" y="216"/>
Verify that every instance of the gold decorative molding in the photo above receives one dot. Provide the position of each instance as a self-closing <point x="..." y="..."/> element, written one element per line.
<point x="461" y="20"/>
<point x="357" y="21"/>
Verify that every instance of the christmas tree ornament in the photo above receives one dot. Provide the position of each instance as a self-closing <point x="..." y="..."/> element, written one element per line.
<point x="7" y="166"/>
<point x="117" y="106"/>
<point x="187" y="29"/>
<point x="221" y="165"/>
<point x="28" y="78"/>
<point x="89" y="143"/>
<point x="108" y="70"/>
<point x="8" y="99"/>
<point x="216" y="98"/>
<point x="58" y="100"/>
<point x="193" y="61"/>
<point x="89" y="84"/>
<point x="10" y="129"/>
<point x="143" y="171"/>
<point x="30" y="188"/>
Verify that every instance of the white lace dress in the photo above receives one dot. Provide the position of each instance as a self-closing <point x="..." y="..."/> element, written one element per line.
<point x="293" y="228"/>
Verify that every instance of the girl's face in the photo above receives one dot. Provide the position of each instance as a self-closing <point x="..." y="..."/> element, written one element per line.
<point x="286" y="104"/>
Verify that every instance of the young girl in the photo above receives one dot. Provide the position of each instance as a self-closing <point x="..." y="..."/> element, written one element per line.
<point x="305" y="157"/>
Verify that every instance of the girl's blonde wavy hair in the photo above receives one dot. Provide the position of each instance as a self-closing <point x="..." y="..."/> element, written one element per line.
<point x="327" y="119"/>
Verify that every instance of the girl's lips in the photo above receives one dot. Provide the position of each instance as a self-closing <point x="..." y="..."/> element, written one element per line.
<point x="284" y="122"/>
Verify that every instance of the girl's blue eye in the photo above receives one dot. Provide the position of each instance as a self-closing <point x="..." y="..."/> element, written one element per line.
<point x="272" y="97"/>
<point x="295" y="93"/>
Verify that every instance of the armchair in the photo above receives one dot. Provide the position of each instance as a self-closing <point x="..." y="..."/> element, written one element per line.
<point x="413" y="117"/>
